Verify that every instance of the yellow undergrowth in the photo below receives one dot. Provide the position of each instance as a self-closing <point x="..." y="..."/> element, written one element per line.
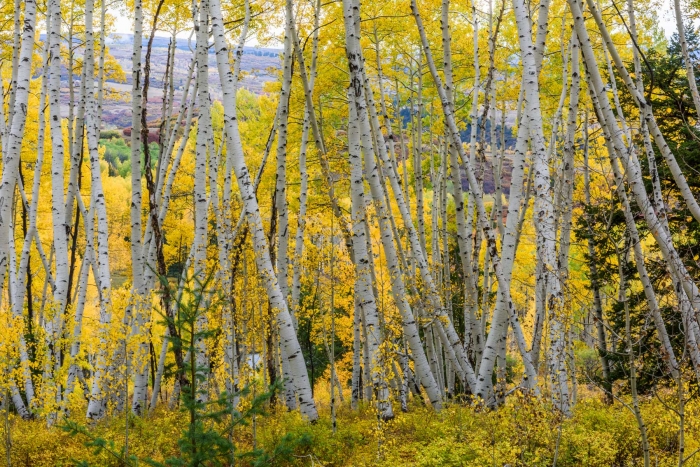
<point x="525" y="432"/>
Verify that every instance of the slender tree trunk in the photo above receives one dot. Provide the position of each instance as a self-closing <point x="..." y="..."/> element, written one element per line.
<point x="97" y="200"/>
<point x="593" y="268"/>
<point x="11" y="157"/>
<point x="630" y="163"/>
<point x="13" y="144"/>
<point x="358" y="113"/>
<point x="647" y="112"/>
<point x="687" y="61"/>
<point x="363" y="278"/>
<point x="448" y="112"/>
<point x="304" y="178"/>
<point x="288" y="339"/>
<point x="280" y="200"/>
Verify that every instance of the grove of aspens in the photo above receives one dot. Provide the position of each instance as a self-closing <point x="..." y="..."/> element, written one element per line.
<point x="344" y="233"/>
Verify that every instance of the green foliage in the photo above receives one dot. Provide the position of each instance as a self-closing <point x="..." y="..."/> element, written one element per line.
<point x="206" y="439"/>
<point x="118" y="154"/>
<point x="667" y="86"/>
<point x="677" y="119"/>
<point x="613" y="253"/>
<point x="110" y="134"/>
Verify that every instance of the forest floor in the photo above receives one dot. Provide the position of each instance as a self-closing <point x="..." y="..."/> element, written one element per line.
<point x="524" y="432"/>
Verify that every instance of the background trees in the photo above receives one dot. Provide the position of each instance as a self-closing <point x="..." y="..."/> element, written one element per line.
<point x="424" y="201"/>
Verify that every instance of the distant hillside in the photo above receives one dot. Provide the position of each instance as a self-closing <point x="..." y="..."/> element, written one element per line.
<point x="259" y="66"/>
<point x="183" y="44"/>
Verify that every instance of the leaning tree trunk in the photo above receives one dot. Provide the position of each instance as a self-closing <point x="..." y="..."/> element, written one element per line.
<point x="647" y="112"/>
<point x="668" y="354"/>
<point x="544" y="210"/>
<point x="11" y="157"/>
<point x="359" y="114"/>
<point x="97" y="200"/>
<point x="447" y="333"/>
<point x="531" y="377"/>
<point x="364" y="298"/>
<point x="630" y="162"/>
<point x="689" y="66"/>
<point x="288" y="339"/>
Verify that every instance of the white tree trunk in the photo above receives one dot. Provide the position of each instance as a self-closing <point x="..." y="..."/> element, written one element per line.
<point x="359" y="114"/>
<point x="687" y="61"/>
<point x="648" y="114"/>
<point x="630" y="163"/>
<point x="13" y="144"/>
<point x="204" y="131"/>
<point x="531" y="377"/>
<point x="288" y="339"/>
<point x="544" y="212"/>
<point x="364" y="296"/>
<point x="12" y="149"/>
<point x="303" y="178"/>
<point x="92" y="125"/>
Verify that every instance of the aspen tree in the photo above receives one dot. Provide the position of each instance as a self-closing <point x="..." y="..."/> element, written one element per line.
<point x="15" y="129"/>
<point x="288" y="339"/>
<point x="544" y="211"/>
<point x="687" y="61"/>
<point x="540" y="285"/>
<point x="355" y="390"/>
<point x="226" y="243"/>
<point x="463" y="231"/>
<point x="668" y="355"/>
<point x="652" y="303"/>
<point x="517" y="209"/>
<point x="204" y="129"/>
<point x="630" y="163"/>
<point x="627" y="155"/>
<point x="482" y="216"/>
<point x="497" y="157"/>
<point x="22" y="284"/>
<point x="406" y="335"/>
<point x="88" y="261"/>
<point x="418" y="158"/>
<point x="334" y="409"/>
<point x="281" y="204"/>
<point x="593" y="267"/>
<point x="156" y="222"/>
<point x="166" y="192"/>
<point x="77" y="137"/>
<point x="365" y="299"/>
<point x="648" y="114"/>
<point x="58" y="206"/>
<point x="358" y="103"/>
<point x="11" y="156"/>
<point x="304" y="175"/>
<point x="16" y="51"/>
<point x="74" y="125"/>
<point x="448" y="335"/>
<point x="470" y="258"/>
<point x="96" y="406"/>
<point x="97" y="199"/>
<point x="565" y="201"/>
